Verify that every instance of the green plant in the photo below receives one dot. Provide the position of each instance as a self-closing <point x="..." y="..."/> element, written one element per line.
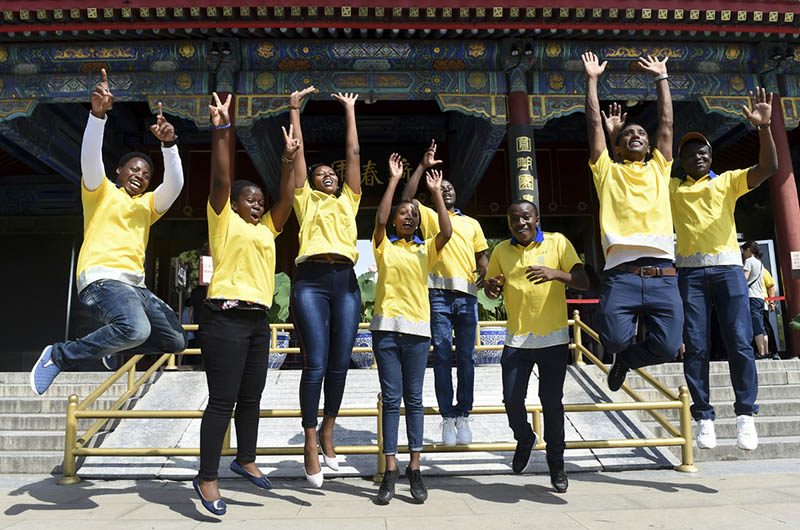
<point x="489" y="309"/>
<point x="366" y="284"/>
<point x="279" y="311"/>
<point x="795" y="323"/>
<point x="191" y="258"/>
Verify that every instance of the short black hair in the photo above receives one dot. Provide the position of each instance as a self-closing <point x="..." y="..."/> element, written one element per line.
<point x="135" y="154"/>
<point x="627" y="125"/>
<point x="239" y="186"/>
<point x="753" y="247"/>
<point x="314" y="167"/>
<point x="522" y="201"/>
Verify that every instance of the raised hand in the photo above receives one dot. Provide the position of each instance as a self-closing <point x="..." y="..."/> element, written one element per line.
<point x="653" y="66"/>
<point x="760" y="110"/>
<point x="395" y="166"/>
<point x="219" y="111"/>
<point x="102" y="98"/>
<point x="433" y="179"/>
<point x="592" y="65"/>
<point x="614" y="121"/>
<point x="494" y="286"/>
<point x="291" y="144"/>
<point x="348" y="100"/>
<point x="539" y="274"/>
<point x="162" y="129"/>
<point x="296" y="98"/>
<point x="429" y="158"/>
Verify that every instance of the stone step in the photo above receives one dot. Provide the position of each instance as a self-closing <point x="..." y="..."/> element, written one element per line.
<point x="59" y="390"/>
<point x="726" y="428"/>
<point x="38" y="422"/>
<point x="716" y="380"/>
<point x="768" y="448"/>
<point x="22" y="378"/>
<point x="766" y="365"/>
<point x="725" y="394"/>
<point x="767" y="408"/>
<point x="31" y="440"/>
<point x="12" y="462"/>
<point x="45" y="405"/>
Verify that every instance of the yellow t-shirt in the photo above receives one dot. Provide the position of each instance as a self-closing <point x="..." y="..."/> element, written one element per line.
<point x="767" y="283"/>
<point x="454" y="271"/>
<point x="537" y="314"/>
<point x="401" y="296"/>
<point x="116" y="228"/>
<point x="702" y="211"/>
<point x="327" y="222"/>
<point x="243" y="255"/>
<point x="634" y="203"/>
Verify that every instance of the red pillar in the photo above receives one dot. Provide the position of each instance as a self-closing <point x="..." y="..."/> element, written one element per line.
<point x="786" y="209"/>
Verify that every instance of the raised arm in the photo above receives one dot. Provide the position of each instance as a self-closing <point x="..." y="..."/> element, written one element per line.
<point x="594" y="125"/>
<point x="295" y="102"/>
<point x="385" y="206"/>
<point x="433" y="179"/>
<point x="92" y="146"/>
<point x="220" y="158"/>
<point x="281" y="210"/>
<point x="658" y="69"/>
<point x="169" y="189"/>
<point x="352" y="172"/>
<point x="428" y="161"/>
<point x="760" y="117"/>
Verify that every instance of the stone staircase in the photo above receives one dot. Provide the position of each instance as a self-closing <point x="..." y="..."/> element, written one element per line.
<point x="32" y="427"/>
<point x="777" y="423"/>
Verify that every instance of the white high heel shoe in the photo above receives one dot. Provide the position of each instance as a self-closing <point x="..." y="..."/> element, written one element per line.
<point x="314" y="480"/>
<point x="332" y="462"/>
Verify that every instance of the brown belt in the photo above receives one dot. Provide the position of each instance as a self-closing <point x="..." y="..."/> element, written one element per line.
<point x="328" y="258"/>
<point x="648" y="271"/>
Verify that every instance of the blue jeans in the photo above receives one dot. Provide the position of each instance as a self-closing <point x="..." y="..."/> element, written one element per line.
<point x="623" y="298"/>
<point x="453" y="311"/>
<point x="401" y="360"/>
<point x="757" y="316"/>
<point x="136" y="321"/>
<point x="517" y="365"/>
<point x="326" y="307"/>
<point x="723" y="286"/>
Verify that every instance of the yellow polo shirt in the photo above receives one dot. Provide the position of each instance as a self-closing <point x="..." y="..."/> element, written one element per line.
<point x="634" y="203"/>
<point x="537" y="314"/>
<point x="116" y="228"/>
<point x="454" y="271"/>
<point x="243" y="255"/>
<point x="702" y="211"/>
<point x="401" y="296"/>
<point x="327" y="222"/>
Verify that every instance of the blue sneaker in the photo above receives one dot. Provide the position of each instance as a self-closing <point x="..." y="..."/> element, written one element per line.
<point x="44" y="371"/>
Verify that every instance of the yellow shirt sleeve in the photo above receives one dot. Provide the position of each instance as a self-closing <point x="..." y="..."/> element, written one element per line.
<point x="601" y="169"/>
<point x="494" y="265"/>
<point x="428" y="221"/>
<point x="769" y="281"/>
<point x="738" y="181"/>
<point x="567" y="258"/>
<point x="664" y="167"/>
<point x="218" y="225"/>
<point x="433" y="254"/>
<point x="479" y="240"/>
<point x="301" y="196"/>
<point x="353" y="197"/>
<point x="154" y="215"/>
<point x="266" y="220"/>
<point x="378" y="250"/>
<point x="92" y="198"/>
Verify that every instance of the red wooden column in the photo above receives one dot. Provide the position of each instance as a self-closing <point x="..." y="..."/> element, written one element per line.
<point x="786" y="210"/>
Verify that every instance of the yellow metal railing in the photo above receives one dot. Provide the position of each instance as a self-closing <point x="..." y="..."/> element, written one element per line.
<point x="75" y="446"/>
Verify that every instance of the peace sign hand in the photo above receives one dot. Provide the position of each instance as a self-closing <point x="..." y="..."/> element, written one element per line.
<point x="219" y="111"/>
<point x="102" y="98"/>
<point x="162" y="129"/>
<point x="292" y="144"/>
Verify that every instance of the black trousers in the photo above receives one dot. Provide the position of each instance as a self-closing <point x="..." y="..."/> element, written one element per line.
<point x="235" y="347"/>
<point x="517" y="365"/>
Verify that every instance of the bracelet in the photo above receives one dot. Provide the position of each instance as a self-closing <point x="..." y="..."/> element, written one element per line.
<point x="762" y="126"/>
<point x="659" y="77"/>
<point x="287" y="160"/>
<point x="223" y="126"/>
<point x="294" y="107"/>
<point x="172" y="142"/>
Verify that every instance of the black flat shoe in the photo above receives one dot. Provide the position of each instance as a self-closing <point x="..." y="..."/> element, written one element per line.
<point x="559" y="481"/>
<point x="522" y="454"/>
<point x="386" y="491"/>
<point x="418" y="489"/>
<point x="616" y="376"/>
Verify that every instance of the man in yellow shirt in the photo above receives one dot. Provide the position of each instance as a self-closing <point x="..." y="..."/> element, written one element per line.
<point x="453" y="290"/>
<point x="110" y="269"/>
<point x="636" y="229"/>
<point x="531" y="270"/>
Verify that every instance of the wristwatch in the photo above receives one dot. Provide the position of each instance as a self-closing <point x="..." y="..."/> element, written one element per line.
<point x="172" y="142"/>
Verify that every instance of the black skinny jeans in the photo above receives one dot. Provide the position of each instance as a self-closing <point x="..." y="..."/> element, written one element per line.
<point x="235" y="347"/>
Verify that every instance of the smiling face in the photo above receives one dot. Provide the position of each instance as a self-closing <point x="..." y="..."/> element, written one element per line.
<point x="134" y="176"/>
<point x="633" y="143"/>
<point x="249" y="205"/>
<point x="696" y="159"/>
<point x="522" y="221"/>
<point x="448" y="194"/>
<point x="325" y="180"/>
<point x="406" y="220"/>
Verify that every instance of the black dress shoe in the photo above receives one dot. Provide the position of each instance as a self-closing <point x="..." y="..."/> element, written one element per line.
<point x="418" y="489"/>
<point x="522" y="454"/>
<point x="616" y="376"/>
<point x="559" y="481"/>
<point x="386" y="491"/>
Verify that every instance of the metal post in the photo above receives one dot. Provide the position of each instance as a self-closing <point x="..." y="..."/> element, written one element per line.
<point x="70" y="439"/>
<point x="578" y="338"/>
<point x="537" y="424"/>
<point x="687" y="451"/>
<point x="381" y="457"/>
<point x="171" y="363"/>
<point x="131" y="377"/>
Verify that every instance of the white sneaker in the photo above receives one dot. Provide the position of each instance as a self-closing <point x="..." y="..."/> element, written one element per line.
<point x="706" y="436"/>
<point x="746" y="436"/>
<point x="449" y="431"/>
<point x="464" y="433"/>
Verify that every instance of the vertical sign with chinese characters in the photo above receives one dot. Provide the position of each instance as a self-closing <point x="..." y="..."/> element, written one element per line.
<point x="522" y="163"/>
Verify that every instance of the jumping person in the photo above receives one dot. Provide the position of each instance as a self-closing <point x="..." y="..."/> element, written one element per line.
<point x="234" y="330"/>
<point x="326" y="300"/>
<point x="400" y="326"/>
<point x="636" y="228"/>
<point x="110" y="270"/>
<point x="532" y="270"/>
<point x="453" y="290"/>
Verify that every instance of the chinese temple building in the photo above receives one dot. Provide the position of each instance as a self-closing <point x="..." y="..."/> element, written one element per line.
<point x="499" y="86"/>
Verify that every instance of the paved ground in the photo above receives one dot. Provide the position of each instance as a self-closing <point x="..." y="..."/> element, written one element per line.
<point x="725" y="495"/>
